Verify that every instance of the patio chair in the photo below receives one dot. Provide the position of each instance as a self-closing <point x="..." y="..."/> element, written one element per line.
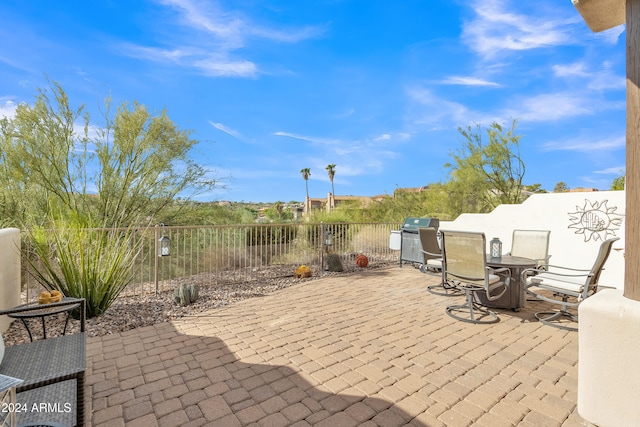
<point x="433" y="261"/>
<point x="565" y="286"/>
<point x="52" y="371"/>
<point x="533" y="244"/>
<point x="465" y="266"/>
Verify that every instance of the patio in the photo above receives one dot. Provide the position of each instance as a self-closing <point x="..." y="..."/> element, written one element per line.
<point x="370" y="348"/>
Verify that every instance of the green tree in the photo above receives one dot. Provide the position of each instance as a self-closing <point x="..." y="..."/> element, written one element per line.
<point x="39" y="156"/>
<point x="123" y="173"/>
<point x="432" y="202"/>
<point x="535" y="188"/>
<point x="306" y="172"/>
<point x="618" y="183"/>
<point x="485" y="175"/>
<point x="278" y="213"/>
<point x="561" y="187"/>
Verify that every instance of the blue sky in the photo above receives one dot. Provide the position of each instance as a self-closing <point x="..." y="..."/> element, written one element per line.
<point x="378" y="88"/>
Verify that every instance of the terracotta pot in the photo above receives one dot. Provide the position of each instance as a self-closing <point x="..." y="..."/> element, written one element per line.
<point x="362" y="261"/>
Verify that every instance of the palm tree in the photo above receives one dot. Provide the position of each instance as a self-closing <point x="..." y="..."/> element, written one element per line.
<point x="331" y="170"/>
<point x="305" y="174"/>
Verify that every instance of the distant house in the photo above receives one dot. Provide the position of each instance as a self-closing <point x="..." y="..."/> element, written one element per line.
<point x="331" y="200"/>
<point x="582" y="190"/>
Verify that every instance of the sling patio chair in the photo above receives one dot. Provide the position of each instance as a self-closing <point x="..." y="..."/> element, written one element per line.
<point x="565" y="286"/>
<point x="465" y="266"/>
<point x="532" y="244"/>
<point x="433" y="261"/>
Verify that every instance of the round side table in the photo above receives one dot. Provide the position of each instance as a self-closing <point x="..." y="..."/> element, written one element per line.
<point x="42" y="313"/>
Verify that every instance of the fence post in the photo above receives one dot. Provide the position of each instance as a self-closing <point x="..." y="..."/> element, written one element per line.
<point x="321" y="238"/>
<point x="155" y="257"/>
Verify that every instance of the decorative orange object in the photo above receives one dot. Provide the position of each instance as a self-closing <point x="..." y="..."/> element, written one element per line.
<point x="44" y="298"/>
<point x="362" y="261"/>
<point x="302" y="272"/>
<point x="49" y="297"/>
<point x="56" y="296"/>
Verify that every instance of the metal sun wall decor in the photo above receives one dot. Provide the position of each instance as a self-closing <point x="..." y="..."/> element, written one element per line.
<point x="595" y="220"/>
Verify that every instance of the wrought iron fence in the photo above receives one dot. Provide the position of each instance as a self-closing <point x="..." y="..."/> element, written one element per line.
<point x="217" y="254"/>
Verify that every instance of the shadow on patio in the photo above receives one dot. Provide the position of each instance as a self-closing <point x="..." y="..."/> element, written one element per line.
<point x="370" y="348"/>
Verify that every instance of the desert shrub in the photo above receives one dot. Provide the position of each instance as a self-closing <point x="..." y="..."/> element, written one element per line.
<point x="334" y="263"/>
<point x="83" y="263"/>
<point x="268" y="235"/>
<point x="186" y="294"/>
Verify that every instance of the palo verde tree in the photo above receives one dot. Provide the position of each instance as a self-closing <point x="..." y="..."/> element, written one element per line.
<point x="485" y="174"/>
<point x="122" y="173"/>
<point x="81" y="192"/>
<point x="618" y="183"/>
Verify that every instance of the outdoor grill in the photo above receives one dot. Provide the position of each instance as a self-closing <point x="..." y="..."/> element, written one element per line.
<point x="410" y="246"/>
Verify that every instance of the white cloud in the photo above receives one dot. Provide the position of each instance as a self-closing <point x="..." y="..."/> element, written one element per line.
<point x="468" y="81"/>
<point x="616" y="170"/>
<point x="439" y="111"/>
<point x="612" y="35"/>
<point x="210" y="18"/>
<point x="383" y="137"/>
<point x="233" y="28"/>
<point x="577" y="69"/>
<point x="586" y="145"/>
<point x="601" y="79"/>
<point x="8" y="108"/>
<point x="226" y="130"/>
<point x="356" y="157"/>
<point x="210" y="64"/>
<point x="314" y="140"/>
<point x="565" y="105"/>
<point x="496" y="28"/>
<point x="217" y="68"/>
<point x="214" y="36"/>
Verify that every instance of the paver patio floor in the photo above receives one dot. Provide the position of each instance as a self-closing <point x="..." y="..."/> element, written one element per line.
<point x="370" y="348"/>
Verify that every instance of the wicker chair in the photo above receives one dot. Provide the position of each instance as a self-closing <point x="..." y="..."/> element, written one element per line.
<point x="52" y="371"/>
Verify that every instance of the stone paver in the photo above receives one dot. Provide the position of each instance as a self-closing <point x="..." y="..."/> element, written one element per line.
<point x="364" y="349"/>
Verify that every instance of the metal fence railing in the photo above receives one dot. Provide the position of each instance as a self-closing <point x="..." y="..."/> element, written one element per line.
<point x="211" y="255"/>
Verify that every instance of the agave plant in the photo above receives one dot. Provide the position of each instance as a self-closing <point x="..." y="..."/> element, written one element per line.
<point x="80" y="262"/>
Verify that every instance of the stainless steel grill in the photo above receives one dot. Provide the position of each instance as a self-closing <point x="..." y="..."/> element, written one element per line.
<point x="410" y="246"/>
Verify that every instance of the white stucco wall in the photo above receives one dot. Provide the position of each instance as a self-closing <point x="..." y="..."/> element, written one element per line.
<point x="608" y="380"/>
<point x="9" y="272"/>
<point x="579" y="222"/>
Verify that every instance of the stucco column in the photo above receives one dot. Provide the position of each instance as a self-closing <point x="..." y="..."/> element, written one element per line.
<point x="632" y="180"/>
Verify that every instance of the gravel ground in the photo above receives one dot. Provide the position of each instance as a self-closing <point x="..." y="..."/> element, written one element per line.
<point x="133" y="312"/>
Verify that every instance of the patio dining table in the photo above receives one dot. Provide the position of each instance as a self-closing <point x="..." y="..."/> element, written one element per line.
<point x="515" y="297"/>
